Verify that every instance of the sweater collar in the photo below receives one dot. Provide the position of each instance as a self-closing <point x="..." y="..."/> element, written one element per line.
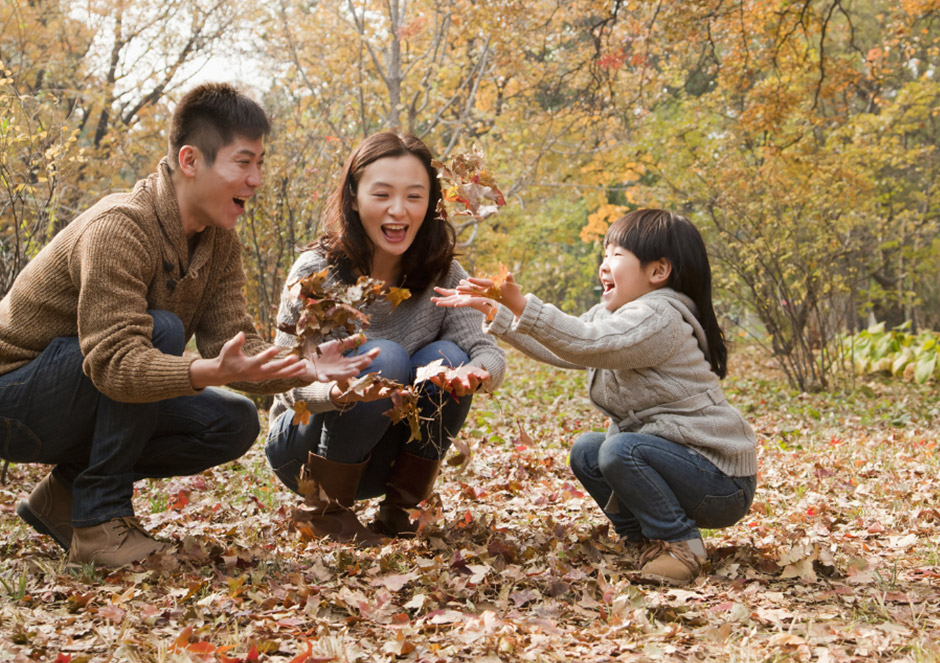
<point x="171" y="222"/>
<point x="168" y="212"/>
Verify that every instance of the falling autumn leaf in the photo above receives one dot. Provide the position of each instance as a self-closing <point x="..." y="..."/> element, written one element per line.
<point x="468" y="188"/>
<point x="397" y="295"/>
<point x="301" y="413"/>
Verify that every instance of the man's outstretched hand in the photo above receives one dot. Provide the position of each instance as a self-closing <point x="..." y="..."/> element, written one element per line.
<point x="233" y="365"/>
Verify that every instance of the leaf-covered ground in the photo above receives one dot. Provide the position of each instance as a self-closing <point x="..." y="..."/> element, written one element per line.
<point x="839" y="559"/>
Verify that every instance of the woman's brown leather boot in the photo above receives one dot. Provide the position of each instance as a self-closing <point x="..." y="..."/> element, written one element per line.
<point x="329" y="490"/>
<point x="409" y="483"/>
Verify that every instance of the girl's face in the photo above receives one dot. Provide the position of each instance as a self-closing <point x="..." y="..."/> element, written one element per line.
<point x="392" y="200"/>
<point x="624" y="278"/>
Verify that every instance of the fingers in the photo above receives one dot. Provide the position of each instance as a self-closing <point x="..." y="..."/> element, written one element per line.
<point x="340" y="345"/>
<point x="354" y="341"/>
<point x="234" y="344"/>
<point x="477" y="281"/>
<point x="326" y="368"/>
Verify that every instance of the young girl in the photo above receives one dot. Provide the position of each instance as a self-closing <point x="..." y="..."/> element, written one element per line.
<point x="382" y="221"/>
<point x="677" y="456"/>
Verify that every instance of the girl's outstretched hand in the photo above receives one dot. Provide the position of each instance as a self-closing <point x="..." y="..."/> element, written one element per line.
<point x="483" y="295"/>
<point x="455" y="299"/>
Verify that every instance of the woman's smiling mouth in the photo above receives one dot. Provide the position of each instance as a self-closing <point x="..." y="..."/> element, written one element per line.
<point x="395" y="232"/>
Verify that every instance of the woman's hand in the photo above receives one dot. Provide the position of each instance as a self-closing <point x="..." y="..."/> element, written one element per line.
<point x="329" y="363"/>
<point x="468" y="379"/>
<point x="341" y="394"/>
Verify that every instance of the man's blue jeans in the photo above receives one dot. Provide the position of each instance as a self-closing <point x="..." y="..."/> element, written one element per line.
<point x="363" y="431"/>
<point x="50" y="412"/>
<point x="664" y="490"/>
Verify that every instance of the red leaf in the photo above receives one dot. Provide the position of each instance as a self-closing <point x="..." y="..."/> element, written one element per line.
<point x="181" y="500"/>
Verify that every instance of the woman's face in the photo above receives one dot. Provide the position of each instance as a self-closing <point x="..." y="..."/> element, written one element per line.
<point x="392" y="200"/>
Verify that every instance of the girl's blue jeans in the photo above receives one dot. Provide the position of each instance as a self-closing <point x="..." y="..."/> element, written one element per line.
<point x="50" y="412"/>
<point x="362" y="431"/>
<point x="663" y="490"/>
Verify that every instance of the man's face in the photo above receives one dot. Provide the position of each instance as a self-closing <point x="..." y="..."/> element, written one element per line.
<point x="220" y="191"/>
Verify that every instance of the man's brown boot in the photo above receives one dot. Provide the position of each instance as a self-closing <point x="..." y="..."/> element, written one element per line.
<point x="409" y="483"/>
<point x="671" y="563"/>
<point x="329" y="490"/>
<point x="115" y="543"/>
<point x="48" y="510"/>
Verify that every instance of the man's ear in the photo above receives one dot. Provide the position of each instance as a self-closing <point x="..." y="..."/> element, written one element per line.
<point x="187" y="159"/>
<point x="661" y="270"/>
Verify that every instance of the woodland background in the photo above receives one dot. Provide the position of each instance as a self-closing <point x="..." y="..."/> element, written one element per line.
<point x="800" y="135"/>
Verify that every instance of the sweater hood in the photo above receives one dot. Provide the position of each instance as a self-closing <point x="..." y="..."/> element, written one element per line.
<point x="686" y="308"/>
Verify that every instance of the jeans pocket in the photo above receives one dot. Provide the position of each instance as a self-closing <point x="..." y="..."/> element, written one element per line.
<point x="716" y="511"/>
<point x="18" y="443"/>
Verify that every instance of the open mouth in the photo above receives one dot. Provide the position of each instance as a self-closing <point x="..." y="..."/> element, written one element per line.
<point x="394" y="232"/>
<point x="608" y="286"/>
<point x="240" y="202"/>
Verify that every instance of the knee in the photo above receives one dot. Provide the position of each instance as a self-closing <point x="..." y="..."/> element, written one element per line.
<point x="245" y="419"/>
<point x="168" y="336"/>
<point x="276" y="444"/>
<point x="583" y="456"/>
<point x="393" y="361"/>
<point x="614" y="453"/>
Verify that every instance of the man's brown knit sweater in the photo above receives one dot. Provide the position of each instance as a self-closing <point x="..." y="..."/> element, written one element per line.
<point x="98" y="277"/>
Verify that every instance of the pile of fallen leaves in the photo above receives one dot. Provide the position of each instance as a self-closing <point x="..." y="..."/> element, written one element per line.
<point x="838" y="560"/>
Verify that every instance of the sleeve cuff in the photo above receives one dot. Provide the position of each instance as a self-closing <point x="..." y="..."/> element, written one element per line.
<point x="501" y="322"/>
<point x="530" y="315"/>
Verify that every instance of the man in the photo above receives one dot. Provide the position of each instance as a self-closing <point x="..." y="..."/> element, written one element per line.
<point x="92" y="332"/>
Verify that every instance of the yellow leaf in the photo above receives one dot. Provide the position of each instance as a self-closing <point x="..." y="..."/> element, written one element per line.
<point x="397" y="295"/>
<point x="301" y="413"/>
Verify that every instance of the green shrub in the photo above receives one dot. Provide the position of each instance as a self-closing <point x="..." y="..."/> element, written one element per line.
<point x="897" y="352"/>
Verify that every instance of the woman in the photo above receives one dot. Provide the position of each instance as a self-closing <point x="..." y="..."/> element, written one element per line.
<point x="382" y="222"/>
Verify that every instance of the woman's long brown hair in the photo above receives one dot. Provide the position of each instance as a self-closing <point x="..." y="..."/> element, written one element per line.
<point x="344" y="241"/>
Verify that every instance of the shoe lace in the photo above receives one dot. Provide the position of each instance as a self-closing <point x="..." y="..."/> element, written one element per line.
<point x="679" y="550"/>
<point x="653" y="550"/>
<point x="128" y="523"/>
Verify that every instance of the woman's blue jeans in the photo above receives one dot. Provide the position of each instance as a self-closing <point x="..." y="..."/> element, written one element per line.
<point x="50" y="412"/>
<point x="664" y="491"/>
<point x="363" y="431"/>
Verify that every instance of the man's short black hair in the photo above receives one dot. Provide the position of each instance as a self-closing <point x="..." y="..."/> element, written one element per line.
<point x="210" y="116"/>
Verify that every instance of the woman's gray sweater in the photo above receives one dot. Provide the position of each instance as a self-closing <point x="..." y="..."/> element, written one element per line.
<point x="646" y="369"/>
<point x="413" y="324"/>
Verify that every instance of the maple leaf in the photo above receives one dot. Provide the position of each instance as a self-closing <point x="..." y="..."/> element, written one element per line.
<point x="329" y="308"/>
<point x="405" y="408"/>
<point x="467" y="184"/>
<point x="397" y="295"/>
<point x="301" y="413"/>
<point x="461" y="459"/>
<point x="495" y="290"/>
<point x="369" y="382"/>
